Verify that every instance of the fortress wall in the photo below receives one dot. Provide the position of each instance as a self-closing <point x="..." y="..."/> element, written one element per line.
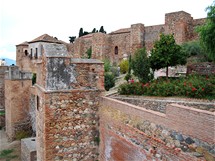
<point x="144" y="134"/>
<point x="16" y="105"/>
<point x="3" y="69"/>
<point x="67" y="102"/>
<point x="152" y="33"/>
<point x="122" y="41"/>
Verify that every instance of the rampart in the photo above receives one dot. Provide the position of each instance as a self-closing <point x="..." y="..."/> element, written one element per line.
<point x="129" y="132"/>
<point x="17" y="86"/>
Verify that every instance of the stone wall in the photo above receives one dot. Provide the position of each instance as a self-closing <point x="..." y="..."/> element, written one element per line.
<point x="67" y="125"/>
<point x="122" y="42"/>
<point x="128" y="131"/>
<point x="67" y="101"/>
<point x="17" y="101"/>
<point x="3" y="69"/>
<point x="205" y="68"/>
<point x="160" y="103"/>
<point x="152" y="33"/>
<point x="137" y="37"/>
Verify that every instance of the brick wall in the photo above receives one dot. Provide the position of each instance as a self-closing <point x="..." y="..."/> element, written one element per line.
<point x="16" y="104"/>
<point x="183" y="133"/>
<point x="67" y="101"/>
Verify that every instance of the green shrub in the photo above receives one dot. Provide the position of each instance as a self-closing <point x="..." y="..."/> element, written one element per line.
<point x="34" y="78"/>
<point x="107" y="65"/>
<point x="127" y="77"/>
<point x="193" y="86"/>
<point x="114" y="71"/>
<point x="109" y="80"/>
<point x="22" y="134"/>
<point x="124" y="66"/>
<point x="89" y="53"/>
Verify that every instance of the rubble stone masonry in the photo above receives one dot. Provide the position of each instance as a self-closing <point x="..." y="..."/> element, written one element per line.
<point x="129" y="132"/>
<point x="3" y="69"/>
<point x="67" y="101"/>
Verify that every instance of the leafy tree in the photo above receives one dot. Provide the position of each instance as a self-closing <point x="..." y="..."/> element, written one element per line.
<point x="72" y="39"/>
<point x="207" y="33"/>
<point x="81" y="32"/>
<point x="102" y="30"/>
<point x="141" y="65"/>
<point x="166" y="53"/>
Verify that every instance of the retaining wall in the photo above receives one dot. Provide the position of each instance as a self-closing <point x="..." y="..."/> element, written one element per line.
<point x="128" y="131"/>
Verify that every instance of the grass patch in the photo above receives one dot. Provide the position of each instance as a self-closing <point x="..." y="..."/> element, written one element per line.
<point x="2" y="113"/>
<point x="7" y="154"/>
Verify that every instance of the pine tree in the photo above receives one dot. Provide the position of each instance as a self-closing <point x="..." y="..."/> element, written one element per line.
<point x="81" y="32"/>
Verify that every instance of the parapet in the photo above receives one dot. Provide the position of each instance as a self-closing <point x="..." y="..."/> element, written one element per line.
<point x="14" y="73"/>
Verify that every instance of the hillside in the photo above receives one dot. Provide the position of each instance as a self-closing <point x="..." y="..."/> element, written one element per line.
<point x="9" y="61"/>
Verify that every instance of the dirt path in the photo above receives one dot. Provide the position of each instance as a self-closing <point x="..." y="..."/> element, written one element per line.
<point x="5" y="145"/>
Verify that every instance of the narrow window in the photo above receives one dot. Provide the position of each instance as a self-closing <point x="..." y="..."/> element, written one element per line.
<point x="31" y="54"/>
<point x="36" y="54"/>
<point x="116" y="50"/>
<point x="38" y="102"/>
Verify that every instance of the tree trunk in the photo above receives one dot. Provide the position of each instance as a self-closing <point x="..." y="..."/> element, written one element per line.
<point x="167" y="71"/>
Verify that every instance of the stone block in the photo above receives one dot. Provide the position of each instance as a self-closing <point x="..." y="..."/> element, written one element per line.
<point x="28" y="149"/>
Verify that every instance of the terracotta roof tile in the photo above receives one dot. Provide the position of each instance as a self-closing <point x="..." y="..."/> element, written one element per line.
<point x="24" y="43"/>
<point x="46" y="38"/>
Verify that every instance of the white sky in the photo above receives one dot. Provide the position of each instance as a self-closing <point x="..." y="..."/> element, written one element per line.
<point x="24" y="20"/>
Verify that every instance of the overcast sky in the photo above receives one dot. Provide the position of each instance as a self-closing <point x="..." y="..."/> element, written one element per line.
<point x="24" y="20"/>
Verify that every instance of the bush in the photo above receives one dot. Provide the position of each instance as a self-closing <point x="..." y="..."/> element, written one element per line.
<point x="109" y="81"/>
<point x="124" y="66"/>
<point x="114" y="71"/>
<point x="22" y="134"/>
<point x="127" y="77"/>
<point x="34" y="78"/>
<point x="89" y="53"/>
<point x="107" y="65"/>
<point x="193" y="86"/>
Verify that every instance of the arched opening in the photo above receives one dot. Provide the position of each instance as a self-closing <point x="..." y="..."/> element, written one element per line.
<point x="26" y="52"/>
<point x="116" y="50"/>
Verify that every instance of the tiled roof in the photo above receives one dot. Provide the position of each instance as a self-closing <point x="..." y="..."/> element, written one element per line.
<point x="124" y="30"/>
<point x="24" y="43"/>
<point x="46" y="38"/>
